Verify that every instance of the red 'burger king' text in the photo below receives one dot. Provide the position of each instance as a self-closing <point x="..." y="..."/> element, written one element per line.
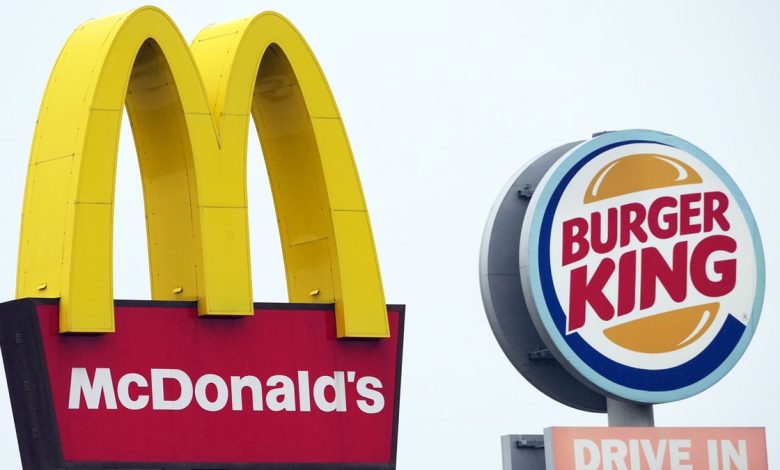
<point x="667" y="217"/>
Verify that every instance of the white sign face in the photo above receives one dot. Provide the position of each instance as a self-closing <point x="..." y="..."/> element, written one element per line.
<point x="644" y="266"/>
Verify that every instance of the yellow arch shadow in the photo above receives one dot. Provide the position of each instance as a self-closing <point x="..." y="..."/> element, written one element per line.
<point x="189" y="109"/>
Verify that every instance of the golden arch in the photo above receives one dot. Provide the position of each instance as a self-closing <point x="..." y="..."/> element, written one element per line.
<point x="189" y="108"/>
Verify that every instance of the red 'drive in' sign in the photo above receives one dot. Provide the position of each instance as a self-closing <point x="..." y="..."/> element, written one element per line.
<point x="655" y="448"/>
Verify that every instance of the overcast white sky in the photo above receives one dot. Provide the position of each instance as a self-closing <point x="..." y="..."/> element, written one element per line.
<point x="443" y="101"/>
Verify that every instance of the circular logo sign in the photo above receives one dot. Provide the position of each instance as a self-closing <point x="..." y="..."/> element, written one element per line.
<point x="642" y="266"/>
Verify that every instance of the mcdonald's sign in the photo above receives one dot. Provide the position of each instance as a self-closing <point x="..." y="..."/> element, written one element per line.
<point x="200" y="376"/>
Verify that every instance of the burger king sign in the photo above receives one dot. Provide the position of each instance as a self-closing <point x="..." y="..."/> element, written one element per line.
<point x="641" y="266"/>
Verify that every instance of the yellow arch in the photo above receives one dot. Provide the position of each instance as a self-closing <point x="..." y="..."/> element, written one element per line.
<point x="189" y="110"/>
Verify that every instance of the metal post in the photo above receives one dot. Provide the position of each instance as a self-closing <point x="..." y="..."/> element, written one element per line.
<point x="522" y="452"/>
<point x="624" y="414"/>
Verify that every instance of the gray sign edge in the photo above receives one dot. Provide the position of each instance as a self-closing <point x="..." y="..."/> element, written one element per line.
<point x="506" y="304"/>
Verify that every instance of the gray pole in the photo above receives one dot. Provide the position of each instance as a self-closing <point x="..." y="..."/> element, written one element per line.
<point x="522" y="452"/>
<point x="624" y="414"/>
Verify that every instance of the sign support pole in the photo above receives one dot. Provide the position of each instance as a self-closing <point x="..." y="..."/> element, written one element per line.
<point x="624" y="414"/>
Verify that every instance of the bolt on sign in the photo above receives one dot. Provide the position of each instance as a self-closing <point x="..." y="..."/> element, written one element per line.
<point x="199" y="376"/>
<point x="634" y="262"/>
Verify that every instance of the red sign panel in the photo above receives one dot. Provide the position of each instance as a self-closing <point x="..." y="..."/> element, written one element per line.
<point x="655" y="448"/>
<point x="170" y="388"/>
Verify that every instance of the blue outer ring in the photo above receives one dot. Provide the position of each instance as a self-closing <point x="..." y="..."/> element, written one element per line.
<point x="611" y="377"/>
